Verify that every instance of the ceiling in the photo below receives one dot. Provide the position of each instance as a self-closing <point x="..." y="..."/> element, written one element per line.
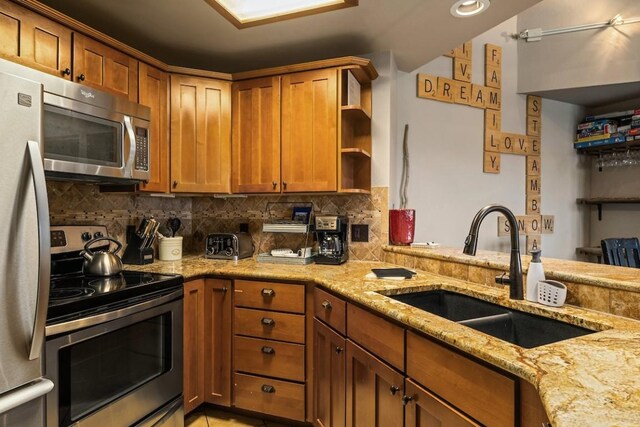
<point x="191" y="33"/>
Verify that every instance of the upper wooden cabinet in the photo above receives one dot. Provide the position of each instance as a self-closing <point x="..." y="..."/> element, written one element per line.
<point x="154" y="88"/>
<point x="310" y="131"/>
<point x="102" y="67"/>
<point x="200" y="135"/>
<point x="34" y="41"/>
<point x="256" y="136"/>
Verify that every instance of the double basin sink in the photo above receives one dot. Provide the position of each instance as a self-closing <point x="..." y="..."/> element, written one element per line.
<point x="516" y="327"/>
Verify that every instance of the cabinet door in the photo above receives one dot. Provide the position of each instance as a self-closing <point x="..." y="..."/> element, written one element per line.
<point x="256" y="136"/>
<point x="218" y="341"/>
<point x="374" y="390"/>
<point x="154" y="87"/>
<point x="309" y="131"/>
<point x="426" y="410"/>
<point x="102" y="67"/>
<point x="200" y="135"/>
<point x="193" y="367"/>
<point x="34" y="41"/>
<point x="329" y="360"/>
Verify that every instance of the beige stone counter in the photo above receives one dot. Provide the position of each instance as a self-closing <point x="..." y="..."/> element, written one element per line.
<point x="592" y="380"/>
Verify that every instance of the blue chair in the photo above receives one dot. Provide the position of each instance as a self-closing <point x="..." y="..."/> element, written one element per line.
<point x="624" y="252"/>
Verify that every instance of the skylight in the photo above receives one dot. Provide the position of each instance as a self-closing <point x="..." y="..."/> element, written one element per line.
<point x="246" y="13"/>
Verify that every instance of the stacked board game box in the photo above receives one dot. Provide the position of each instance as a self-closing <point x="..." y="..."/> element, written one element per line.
<point x="610" y="128"/>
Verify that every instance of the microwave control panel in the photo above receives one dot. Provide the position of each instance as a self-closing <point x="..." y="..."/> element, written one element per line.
<point x="142" y="149"/>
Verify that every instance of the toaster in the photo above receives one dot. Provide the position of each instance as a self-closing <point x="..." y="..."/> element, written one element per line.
<point x="231" y="246"/>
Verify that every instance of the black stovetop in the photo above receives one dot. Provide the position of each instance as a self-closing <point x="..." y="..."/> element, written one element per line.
<point x="73" y="296"/>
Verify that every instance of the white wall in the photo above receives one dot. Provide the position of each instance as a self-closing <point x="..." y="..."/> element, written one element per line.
<point x="585" y="58"/>
<point x="447" y="185"/>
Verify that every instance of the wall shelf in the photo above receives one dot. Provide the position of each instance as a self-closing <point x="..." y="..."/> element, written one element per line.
<point x="356" y="112"/>
<point x="599" y="201"/>
<point x="356" y="152"/>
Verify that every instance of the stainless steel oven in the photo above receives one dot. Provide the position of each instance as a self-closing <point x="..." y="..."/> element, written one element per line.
<point x="118" y="368"/>
<point x="90" y="135"/>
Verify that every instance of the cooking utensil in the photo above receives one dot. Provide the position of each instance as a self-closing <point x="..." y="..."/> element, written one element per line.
<point x="164" y="230"/>
<point x="174" y="225"/>
<point x="101" y="263"/>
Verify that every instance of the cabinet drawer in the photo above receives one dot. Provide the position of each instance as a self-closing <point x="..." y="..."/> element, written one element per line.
<point x="269" y="324"/>
<point x="379" y="336"/>
<point x="269" y="296"/>
<point x="424" y="405"/>
<point x="270" y="358"/>
<point x="330" y="309"/>
<point x="268" y="396"/>
<point x="483" y="393"/>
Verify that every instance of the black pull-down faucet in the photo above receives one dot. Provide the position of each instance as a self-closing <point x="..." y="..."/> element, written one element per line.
<point x="515" y="264"/>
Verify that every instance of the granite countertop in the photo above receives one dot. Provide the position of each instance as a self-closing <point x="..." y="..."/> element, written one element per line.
<point x="593" y="380"/>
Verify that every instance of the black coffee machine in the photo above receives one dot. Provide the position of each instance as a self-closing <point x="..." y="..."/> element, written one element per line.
<point x="332" y="239"/>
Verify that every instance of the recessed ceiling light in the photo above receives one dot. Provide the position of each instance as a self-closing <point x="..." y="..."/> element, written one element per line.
<point x="246" y="13"/>
<point x="467" y="8"/>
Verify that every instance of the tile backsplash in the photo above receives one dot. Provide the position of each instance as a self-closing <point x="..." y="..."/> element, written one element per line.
<point x="72" y="203"/>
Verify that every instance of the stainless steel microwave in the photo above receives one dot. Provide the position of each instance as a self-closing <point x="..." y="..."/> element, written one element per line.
<point x="89" y="135"/>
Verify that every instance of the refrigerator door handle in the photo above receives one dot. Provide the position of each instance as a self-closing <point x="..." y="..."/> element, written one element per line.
<point x="25" y="394"/>
<point x="44" y="262"/>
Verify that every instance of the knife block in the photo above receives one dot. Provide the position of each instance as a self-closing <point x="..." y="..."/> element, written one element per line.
<point x="134" y="255"/>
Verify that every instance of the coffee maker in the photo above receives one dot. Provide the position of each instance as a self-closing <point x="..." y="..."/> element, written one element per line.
<point x="331" y="231"/>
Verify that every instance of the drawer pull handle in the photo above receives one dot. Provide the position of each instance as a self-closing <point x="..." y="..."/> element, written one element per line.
<point x="266" y="388"/>
<point x="339" y="350"/>
<point x="326" y="305"/>
<point x="268" y="321"/>
<point x="268" y="293"/>
<point x="393" y="390"/>
<point x="268" y="350"/>
<point x="222" y="289"/>
<point x="406" y="399"/>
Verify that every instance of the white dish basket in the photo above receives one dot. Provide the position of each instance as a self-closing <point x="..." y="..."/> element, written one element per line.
<point x="551" y="292"/>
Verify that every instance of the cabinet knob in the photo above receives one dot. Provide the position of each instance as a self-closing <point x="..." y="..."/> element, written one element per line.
<point x="339" y="350"/>
<point x="175" y="184"/>
<point x="267" y="321"/>
<point x="81" y="77"/>
<point x="326" y="305"/>
<point x="284" y="185"/>
<point x="268" y="292"/>
<point x="266" y="388"/>
<point x="222" y="289"/>
<point x="393" y="390"/>
<point x="275" y="184"/>
<point x="66" y="72"/>
<point x="406" y="399"/>
<point x="268" y="350"/>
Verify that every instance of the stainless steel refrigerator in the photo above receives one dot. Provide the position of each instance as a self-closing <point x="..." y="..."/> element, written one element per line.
<point x="24" y="254"/>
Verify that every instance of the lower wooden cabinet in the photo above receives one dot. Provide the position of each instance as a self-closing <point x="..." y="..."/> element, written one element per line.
<point x="424" y="409"/>
<point x="193" y="336"/>
<point x="329" y="360"/>
<point x="374" y="390"/>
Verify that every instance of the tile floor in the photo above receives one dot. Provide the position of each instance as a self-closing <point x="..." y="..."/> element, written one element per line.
<point x="208" y="416"/>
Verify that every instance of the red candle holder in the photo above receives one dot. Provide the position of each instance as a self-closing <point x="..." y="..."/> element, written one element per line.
<point x="402" y="225"/>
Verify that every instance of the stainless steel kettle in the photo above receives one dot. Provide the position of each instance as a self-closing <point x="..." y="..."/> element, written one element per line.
<point x="101" y="263"/>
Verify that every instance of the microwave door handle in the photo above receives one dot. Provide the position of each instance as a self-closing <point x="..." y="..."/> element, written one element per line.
<point x="44" y="239"/>
<point x="129" y="145"/>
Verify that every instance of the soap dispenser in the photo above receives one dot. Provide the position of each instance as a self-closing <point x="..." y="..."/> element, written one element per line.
<point x="534" y="275"/>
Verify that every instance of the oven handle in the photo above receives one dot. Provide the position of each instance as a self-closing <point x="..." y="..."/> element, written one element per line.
<point x="130" y="145"/>
<point x="22" y="395"/>
<point x="44" y="242"/>
<point x="76" y="324"/>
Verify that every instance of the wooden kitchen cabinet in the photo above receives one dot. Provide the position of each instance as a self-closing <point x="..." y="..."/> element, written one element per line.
<point x="256" y="136"/>
<point x="154" y="93"/>
<point x="329" y="358"/>
<point x="374" y="390"/>
<point x="102" y="67"/>
<point x="310" y="131"/>
<point x="217" y="333"/>
<point x="33" y="40"/>
<point x="194" y="344"/>
<point x="424" y="409"/>
<point x="200" y="135"/>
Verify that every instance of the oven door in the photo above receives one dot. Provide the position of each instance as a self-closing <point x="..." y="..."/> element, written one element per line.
<point x="118" y="372"/>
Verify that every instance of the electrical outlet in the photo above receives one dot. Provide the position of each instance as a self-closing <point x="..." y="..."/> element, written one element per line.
<point x="359" y="233"/>
<point x="244" y="227"/>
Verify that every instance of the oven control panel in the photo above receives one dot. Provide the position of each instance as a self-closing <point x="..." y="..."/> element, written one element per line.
<point x="69" y="238"/>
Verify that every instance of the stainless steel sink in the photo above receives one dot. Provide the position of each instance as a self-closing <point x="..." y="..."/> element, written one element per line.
<point x="517" y="327"/>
